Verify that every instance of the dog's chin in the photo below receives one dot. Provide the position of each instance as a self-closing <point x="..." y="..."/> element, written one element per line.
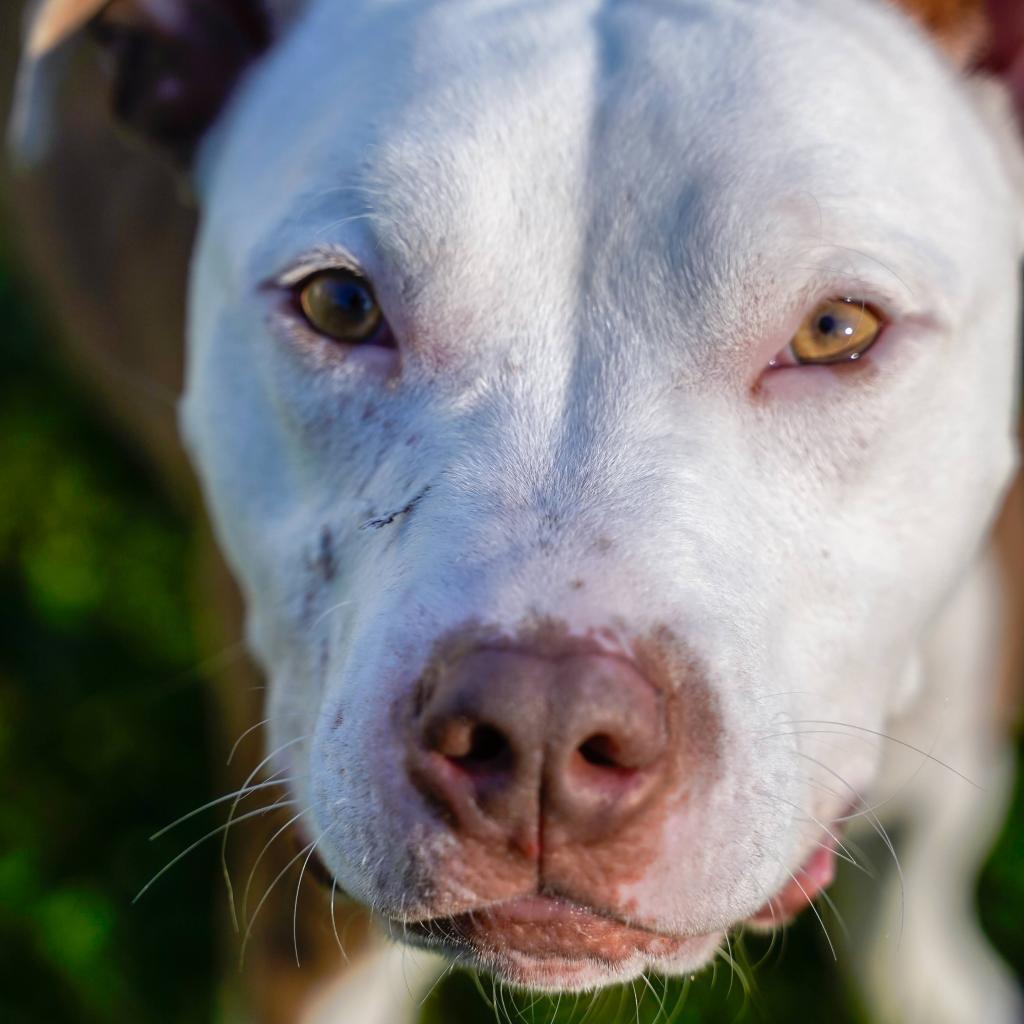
<point x="552" y="945"/>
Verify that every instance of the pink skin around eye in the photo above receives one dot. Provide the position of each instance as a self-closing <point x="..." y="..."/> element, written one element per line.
<point x="785" y="359"/>
<point x="802" y="381"/>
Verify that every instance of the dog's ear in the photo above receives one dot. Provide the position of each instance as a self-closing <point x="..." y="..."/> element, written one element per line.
<point x="171" y="63"/>
<point x="980" y="35"/>
<point x="1004" y="53"/>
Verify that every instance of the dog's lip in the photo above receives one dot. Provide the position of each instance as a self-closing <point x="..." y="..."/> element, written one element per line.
<point x="813" y="878"/>
<point x="555" y="909"/>
<point x="546" y="928"/>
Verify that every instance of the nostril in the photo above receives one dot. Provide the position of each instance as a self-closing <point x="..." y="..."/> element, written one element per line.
<point x="601" y="751"/>
<point x="474" y="746"/>
<point x="487" y="746"/>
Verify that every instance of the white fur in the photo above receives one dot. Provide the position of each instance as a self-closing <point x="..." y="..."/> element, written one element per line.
<point x="388" y="985"/>
<point x="591" y="226"/>
<point x="928" y="962"/>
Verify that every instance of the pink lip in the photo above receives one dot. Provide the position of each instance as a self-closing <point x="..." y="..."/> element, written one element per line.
<point x="547" y="928"/>
<point x="814" y="877"/>
<point x="547" y="943"/>
<point x="538" y="909"/>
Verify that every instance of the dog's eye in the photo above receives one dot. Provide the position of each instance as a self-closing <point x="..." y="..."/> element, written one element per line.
<point x="340" y="305"/>
<point x="838" y="331"/>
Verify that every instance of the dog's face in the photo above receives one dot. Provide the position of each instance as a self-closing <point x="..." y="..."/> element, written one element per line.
<point x="566" y="488"/>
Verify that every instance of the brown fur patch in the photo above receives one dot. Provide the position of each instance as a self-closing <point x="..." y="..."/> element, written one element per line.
<point x="958" y="25"/>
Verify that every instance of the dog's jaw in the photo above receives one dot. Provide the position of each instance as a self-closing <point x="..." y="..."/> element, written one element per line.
<point x="591" y="234"/>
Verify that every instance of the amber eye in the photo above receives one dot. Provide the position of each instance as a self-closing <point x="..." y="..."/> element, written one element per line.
<point x="838" y="331"/>
<point x="341" y="305"/>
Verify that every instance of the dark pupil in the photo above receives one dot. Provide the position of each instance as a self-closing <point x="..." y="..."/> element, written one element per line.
<point x="342" y="306"/>
<point x="351" y="301"/>
<point x="827" y="324"/>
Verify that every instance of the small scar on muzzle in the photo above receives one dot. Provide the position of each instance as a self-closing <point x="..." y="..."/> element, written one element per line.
<point x="379" y="522"/>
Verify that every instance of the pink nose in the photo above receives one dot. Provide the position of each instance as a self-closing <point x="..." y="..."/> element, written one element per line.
<point x="570" y="748"/>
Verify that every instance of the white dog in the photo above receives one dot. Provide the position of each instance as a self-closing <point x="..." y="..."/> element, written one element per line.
<point x="605" y="407"/>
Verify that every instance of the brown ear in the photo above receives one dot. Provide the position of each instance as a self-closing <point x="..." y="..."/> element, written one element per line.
<point x="958" y="25"/>
<point x="1005" y="52"/>
<point x="172" y="63"/>
<point x="985" y="35"/>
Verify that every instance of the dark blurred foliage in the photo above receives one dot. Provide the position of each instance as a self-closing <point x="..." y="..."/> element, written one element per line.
<point x="104" y="738"/>
<point x="102" y="717"/>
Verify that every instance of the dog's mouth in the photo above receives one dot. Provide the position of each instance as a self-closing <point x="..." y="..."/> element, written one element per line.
<point x="548" y="942"/>
<point x="545" y="941"/>
<point x="547" y="927"/>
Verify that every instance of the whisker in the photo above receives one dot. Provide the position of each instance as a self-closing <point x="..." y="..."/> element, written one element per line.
<point x="731" y="962"/>
<point x="456" y="961"/>
<point x="334" y="921"/>
<point x="479" y="986"/>
<point x="259" y="858"/>
<point x="835" y="913"/>
<point x="814" y="909"/>
<point x="224" y="839"/>
<point x="247" y="732"/>
<point x="657" y="999"/>
<point x="878" y="735"/>
<point x="777" y="927"/>
<point x="877" y="825"/>
<point x="266" y="895"/>
<point x="295" y="909"/>
<point x="683" y="993"/>
<point x="840" y="847"/>
<point x="209" y="835"/>
<point x="242" y="793"/>
<point x="735" y="972"/>
<point x="554" y="1012"/>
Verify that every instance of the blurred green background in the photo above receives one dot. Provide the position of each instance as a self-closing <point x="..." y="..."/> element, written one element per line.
<point x="105" y="736"/>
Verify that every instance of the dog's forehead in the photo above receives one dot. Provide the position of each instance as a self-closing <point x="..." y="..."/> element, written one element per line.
<point x="528" y="144"/>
